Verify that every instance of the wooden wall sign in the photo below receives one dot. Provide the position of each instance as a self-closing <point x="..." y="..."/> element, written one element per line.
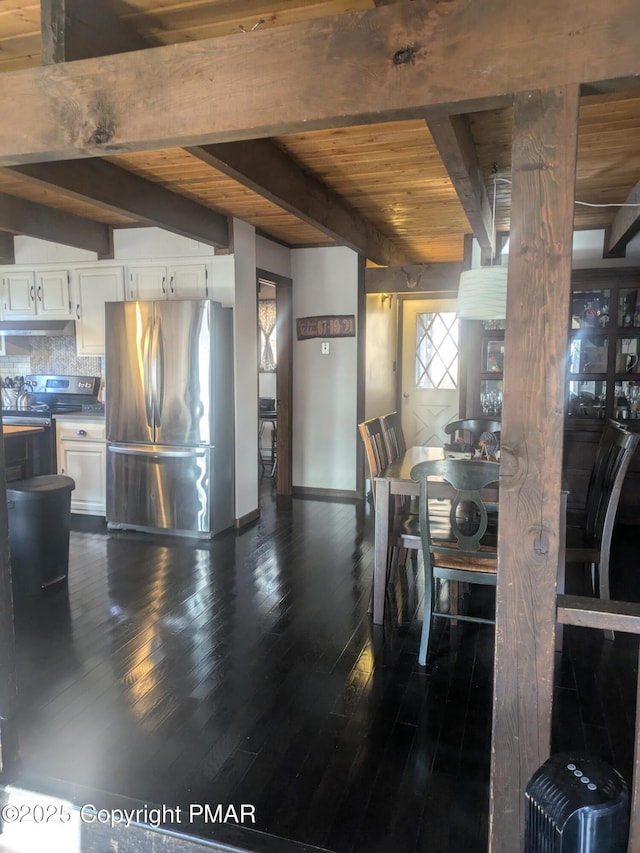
<point x="327" y="326"/>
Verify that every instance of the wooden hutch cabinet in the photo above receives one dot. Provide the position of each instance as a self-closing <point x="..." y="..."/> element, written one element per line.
<point x="603" y="373"/>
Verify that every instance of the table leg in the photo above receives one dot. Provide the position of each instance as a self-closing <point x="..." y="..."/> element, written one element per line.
<point x="382" y="491"/>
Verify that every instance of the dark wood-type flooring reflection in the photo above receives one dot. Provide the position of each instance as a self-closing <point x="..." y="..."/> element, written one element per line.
<point x="246" y="670"/>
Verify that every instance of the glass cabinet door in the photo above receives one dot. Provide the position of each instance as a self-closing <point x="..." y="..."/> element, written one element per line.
<point x="590" y="309"/>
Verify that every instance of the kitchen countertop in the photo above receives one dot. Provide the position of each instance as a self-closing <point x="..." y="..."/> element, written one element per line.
<point x="79" y="416"/>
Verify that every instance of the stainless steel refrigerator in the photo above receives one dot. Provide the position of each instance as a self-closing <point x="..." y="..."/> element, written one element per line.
<point x="169" y="416"/>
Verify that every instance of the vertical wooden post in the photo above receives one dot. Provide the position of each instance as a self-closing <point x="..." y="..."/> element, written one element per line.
<point x="545" y="126"/>
<point x="284" y="380"/>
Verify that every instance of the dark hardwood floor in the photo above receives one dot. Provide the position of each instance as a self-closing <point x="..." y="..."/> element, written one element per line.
<point x="246" y="670"/>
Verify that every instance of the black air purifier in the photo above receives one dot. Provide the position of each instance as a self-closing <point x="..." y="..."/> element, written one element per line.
<point x="576" y="803"/>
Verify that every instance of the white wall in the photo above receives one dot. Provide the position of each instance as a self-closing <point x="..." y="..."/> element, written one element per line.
<point x="325" y="281"/>
<point x="245" y="325"/>
<point x="136" y="243"/>
<point x="31" y="250"/>
<point x="588" y="247"/>
<point x="273" y="257"/>
<point x="223" y="280"/>
<point x="587" y="251"/>
<point x="381" y="353"/>
<point x="128" y="244"/>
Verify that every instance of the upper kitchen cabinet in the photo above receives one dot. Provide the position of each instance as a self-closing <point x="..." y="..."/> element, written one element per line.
<point x="168" y="281"/>
<point x="95" y="286"/>
<point x="40" y="292"/>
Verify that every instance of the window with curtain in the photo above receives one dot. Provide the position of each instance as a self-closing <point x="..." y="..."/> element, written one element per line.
<point x="267" y="325"/>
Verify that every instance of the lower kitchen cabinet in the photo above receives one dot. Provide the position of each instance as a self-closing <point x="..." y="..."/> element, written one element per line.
<point x="81" y="454"/>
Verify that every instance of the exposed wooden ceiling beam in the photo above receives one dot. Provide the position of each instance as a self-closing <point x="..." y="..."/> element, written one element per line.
<point x="77" y="29"/>
<point x="455" y="144"/>
<point x="625" y="226"/>
<point x="409" y="56"/>
<point x="73" y="29"/>
<point x="117" y="190"/>
<point x="7" y="250"/>
<point x="266" y="169"/>
<point x="413" y="278"/>
<point x="19" y="216"/>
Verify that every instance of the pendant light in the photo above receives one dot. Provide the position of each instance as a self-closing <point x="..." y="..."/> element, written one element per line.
<point x="482" y="292"/>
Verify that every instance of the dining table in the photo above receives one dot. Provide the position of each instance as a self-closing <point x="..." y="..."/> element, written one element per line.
<point x="396" y="480"/>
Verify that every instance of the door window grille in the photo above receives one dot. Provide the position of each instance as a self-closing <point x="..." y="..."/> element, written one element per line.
<point x="437" y="351"/>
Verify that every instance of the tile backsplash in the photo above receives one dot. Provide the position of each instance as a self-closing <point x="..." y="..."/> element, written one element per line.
<point x="47" y="355"/>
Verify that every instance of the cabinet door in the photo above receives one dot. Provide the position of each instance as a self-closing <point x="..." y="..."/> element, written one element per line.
<point x="81" y="454"/>
<point x="85" y="462"/>
<point x="95" y="287"/>
<point x="147" y="283"/>
<point x="18" y="294"/>
<point x="52" y="294"/>
<point x="188" y="281"/>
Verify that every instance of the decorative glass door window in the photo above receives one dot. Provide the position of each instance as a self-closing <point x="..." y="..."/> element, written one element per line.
<point x="437" y="351"/>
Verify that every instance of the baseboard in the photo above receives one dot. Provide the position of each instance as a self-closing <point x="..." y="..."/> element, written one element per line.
<point x="88" y="523"/>
<point x="249" y="518"/>
<point x="326" y="494"/>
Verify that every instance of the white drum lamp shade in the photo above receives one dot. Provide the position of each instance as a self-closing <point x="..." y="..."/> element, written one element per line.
<point x="482" y="294"/>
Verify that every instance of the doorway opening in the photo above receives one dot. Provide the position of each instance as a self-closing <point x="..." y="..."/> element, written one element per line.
<point x="275" y="350"/>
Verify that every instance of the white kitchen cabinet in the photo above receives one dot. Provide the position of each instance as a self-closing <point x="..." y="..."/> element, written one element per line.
<point x="168" y="281"/>
<point x="40" y="292"/>
<point x="188" y="281"/>
<point x="95" y="286"/>
<point x="81" y="455"/>
<point x="53" y="297"/>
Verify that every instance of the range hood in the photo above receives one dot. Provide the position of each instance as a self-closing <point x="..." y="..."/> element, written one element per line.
<point x="32" y="328"/>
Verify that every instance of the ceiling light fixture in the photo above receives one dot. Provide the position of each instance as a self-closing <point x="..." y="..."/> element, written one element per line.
<point x="482" y="292"/>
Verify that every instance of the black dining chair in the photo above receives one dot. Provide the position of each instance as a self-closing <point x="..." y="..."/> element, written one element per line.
<point x="589" y="533"/>
<point x="461" y="546"/>
<point x="470" y="430"/>
<point x="393" y="435"/>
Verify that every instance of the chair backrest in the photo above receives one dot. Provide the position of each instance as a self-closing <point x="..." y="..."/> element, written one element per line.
<point x="393" y="435"/>
<point x="374" y="445"/>
<point x="468" y="517"/>
<point x="615" y="451"/>
<point x="472" y="429"/>
<point x="266" y="405"/>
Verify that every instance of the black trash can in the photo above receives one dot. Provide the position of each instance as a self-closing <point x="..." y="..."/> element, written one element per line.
<point x="39" y="511"/>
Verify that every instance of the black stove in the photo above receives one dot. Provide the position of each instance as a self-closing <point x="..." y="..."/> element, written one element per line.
<point x="54" y="395"/>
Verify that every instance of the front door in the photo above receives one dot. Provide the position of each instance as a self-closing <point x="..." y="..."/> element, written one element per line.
<point x="429" y="369"/>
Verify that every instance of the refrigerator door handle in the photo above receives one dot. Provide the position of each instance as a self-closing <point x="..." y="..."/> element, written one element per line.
<point x="156" y="453"/>
<point x="161" y="362"/>
<point x="146" y="367"/>
<point x="157" y="372"/>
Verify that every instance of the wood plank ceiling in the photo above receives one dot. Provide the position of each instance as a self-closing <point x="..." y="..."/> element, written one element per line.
<point x="387" y="181"/>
